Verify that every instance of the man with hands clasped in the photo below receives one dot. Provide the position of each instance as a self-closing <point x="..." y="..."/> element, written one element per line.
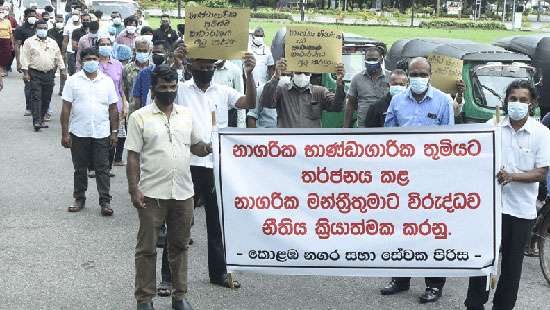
<point x="300" y="104"/>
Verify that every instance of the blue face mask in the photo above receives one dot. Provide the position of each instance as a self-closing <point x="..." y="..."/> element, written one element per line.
<point x="518" y="110"/>
<point x="41" y="33"/>
<point x="418" y="84"/>
<point x="372" y="66"/>
<point x="142" y="57"/>
<point x="396" y="89"/>
<point x="91" y="66"/>
<point x="105" y="50"/>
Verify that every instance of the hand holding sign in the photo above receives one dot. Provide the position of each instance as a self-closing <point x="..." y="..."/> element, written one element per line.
<point x="340" y="73"/>
<point x="446" y="71"/>
<point x="280" y="68"/>
<point x="313" y="49"/>
<point x="249" y="63"/>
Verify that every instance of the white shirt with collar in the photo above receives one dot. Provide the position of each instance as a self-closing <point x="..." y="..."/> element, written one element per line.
<point x="218" y="98"/>
<point x="90" y="101"/>
<point x="264" y="59"/>
<point x="523" y="150"/>
<point x="232" y="76"/>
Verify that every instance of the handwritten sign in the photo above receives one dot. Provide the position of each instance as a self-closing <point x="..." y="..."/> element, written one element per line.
<point x="445" y="72"/>
<point x="360" y="204"/>
<point x="216" y="33"/>
<point x="312" y="49"/>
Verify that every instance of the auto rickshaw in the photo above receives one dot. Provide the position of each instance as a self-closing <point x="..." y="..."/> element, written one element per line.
<point x="538" y="48"/>
<point x="486" y="72"/>
<point x="353" y="58"/>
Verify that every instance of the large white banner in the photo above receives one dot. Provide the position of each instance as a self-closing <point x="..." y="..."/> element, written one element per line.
<point x="383" y="202"/>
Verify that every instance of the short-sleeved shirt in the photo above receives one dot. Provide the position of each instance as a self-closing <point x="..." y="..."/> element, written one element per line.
<point x="22" y="33"/>
<point x="169" y="37"/>
<point x="368" y="91"/>
<point x="218" y="98"/>
<point x="264" y="59"/>
<point x="90" y="101"/>
<point x="523" y="150"/>
<point x="68" y="31"/>
<point x="433" y="110"/>
<point x="164" y="148"/>
<point x="265" y="117"/>
<point x="5" y="29"/>
<point x="143" y="84"/>
<point x="113" y="69"/>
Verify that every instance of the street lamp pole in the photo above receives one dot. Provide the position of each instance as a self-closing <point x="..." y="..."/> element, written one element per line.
<point x="179" y="8"/>
<point x="504" y="11"/>
<point x="412" y="12"/>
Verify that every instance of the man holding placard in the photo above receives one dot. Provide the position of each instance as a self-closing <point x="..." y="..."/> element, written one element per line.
<point x="300" y="104"/>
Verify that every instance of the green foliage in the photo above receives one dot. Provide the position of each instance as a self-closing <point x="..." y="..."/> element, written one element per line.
<point x="466" y="24"/>
<point x="270" y="14"/>
<point x="216" y="3"/>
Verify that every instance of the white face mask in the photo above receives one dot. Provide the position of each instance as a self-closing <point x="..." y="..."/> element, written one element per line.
<point x="76" y="18"/>
<point x="258" y="41"/>
<point x="31" y="20"/>
<point x="59" y="25"/>
<point x="518" y="110"/>
<point x="148" y="37"/>
<point x="285" y="79"/>
<point x="131" y="29"/>
<point x="300" y="80"/>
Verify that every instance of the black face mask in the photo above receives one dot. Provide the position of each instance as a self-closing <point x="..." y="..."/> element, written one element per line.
<point x="158" y="59"/>
<point x="165" y="97"/>
<point x="85" y="25"/>
<point x="202" y="77"/>
<point x="164" y="26"/>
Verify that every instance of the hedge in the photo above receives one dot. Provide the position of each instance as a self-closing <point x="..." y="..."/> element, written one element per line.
<point x="271" y="15"/>
<point x="447" y="23"/>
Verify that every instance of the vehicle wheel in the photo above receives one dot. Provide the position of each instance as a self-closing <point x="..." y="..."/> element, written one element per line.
<point x="544" y="248"/>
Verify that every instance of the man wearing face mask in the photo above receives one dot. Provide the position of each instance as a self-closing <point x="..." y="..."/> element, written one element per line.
<point x="89" y="127"/>
<point x="21" y="34"/>
<point x="366" y="88"/>
<point x="132" y="69"/>
<point x="376" y="113"/>
<point x="40" y="59"/>
<point x="128" y="35"/>
<point x="300" y="104"/>
<point x="525" y="161"/>
<point x="202" y="96"/>
<point x="72" y="24"/>
<point x="419" y="105"/>
<point x="143" y="80"/>
<point x="116" y="23"/>
<point x="80" y="32"/>
<point x="87" y="41"/>
<point x="265" y="65"/>
<point x="56" y="33"/>
<point x="166" y="33"/>
<point x="162" y="191"/>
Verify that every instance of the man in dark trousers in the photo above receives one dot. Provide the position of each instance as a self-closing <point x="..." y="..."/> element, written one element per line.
<point x="21" y="34"/>
<point x="376" y="114"/>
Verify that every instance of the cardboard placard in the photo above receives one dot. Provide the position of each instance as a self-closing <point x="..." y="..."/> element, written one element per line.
<point x="312" y="49"/>
<point x="445" y="72"/>
<point x="216" y="33"/>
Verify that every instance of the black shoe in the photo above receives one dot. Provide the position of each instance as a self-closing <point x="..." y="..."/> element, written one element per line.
<point x="394" y="287"/>
<point x="430" y="295"/>
<point x="145" y="306"/>
<point x="181" y="304"/>
<point x="37" y="127"/>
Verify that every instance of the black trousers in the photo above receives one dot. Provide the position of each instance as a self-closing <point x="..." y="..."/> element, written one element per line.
<point x="119" y="149"/>
<point x="87" y="151"/>
<point x="515" y="233"/>
<point x="27" y="90"/>
<point x="71" y="63"/>
<point x="166" y="275"/>
<point x="41" y="88"/>
<point x="433" y="282"/>
<point x="203" y="182"/>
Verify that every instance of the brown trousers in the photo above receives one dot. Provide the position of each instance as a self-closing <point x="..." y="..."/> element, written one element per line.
<point x="178" y="215"/>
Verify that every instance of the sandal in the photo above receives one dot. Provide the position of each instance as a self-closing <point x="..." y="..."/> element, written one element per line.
<point x="225" y="282"/>
<point x="164" y="289"/>
<point x="106" y="210"/>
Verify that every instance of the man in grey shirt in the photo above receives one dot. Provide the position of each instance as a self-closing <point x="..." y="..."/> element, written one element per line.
<point x="367" y="88"/>
<point x="300" y="104"/>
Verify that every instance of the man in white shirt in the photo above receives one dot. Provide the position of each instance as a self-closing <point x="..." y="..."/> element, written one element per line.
<point x="201" y="96"/>
<point x="72" y="24"/>
<point x="89" y="126"/>
<point x="265" y="64"/>
<point x="525" y="161"/>
<point x="161" y="139"/>
<point x="229" y="74"/>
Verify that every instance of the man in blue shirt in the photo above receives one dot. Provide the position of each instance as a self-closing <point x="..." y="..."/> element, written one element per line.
<point x="420" y="105"/>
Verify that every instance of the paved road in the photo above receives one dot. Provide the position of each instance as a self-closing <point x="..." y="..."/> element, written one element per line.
<point x="50" y="259"/>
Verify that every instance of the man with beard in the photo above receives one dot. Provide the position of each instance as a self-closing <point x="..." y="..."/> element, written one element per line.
<point x="201" y="95"/>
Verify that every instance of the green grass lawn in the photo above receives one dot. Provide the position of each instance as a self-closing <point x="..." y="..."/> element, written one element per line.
<point x="384" y="33"/>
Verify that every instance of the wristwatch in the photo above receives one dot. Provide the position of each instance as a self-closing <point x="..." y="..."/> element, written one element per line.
<point x="114" y="131"/>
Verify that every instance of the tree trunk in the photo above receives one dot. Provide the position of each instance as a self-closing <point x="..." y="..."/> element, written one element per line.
<point x="437" y="8"/>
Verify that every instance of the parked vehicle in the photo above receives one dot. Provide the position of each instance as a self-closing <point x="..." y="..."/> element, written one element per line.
<point x="486" y="72"/>
<point x="126" y="8"/>
<point x="537" y="47"/>
<point x="353" y="58"/>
